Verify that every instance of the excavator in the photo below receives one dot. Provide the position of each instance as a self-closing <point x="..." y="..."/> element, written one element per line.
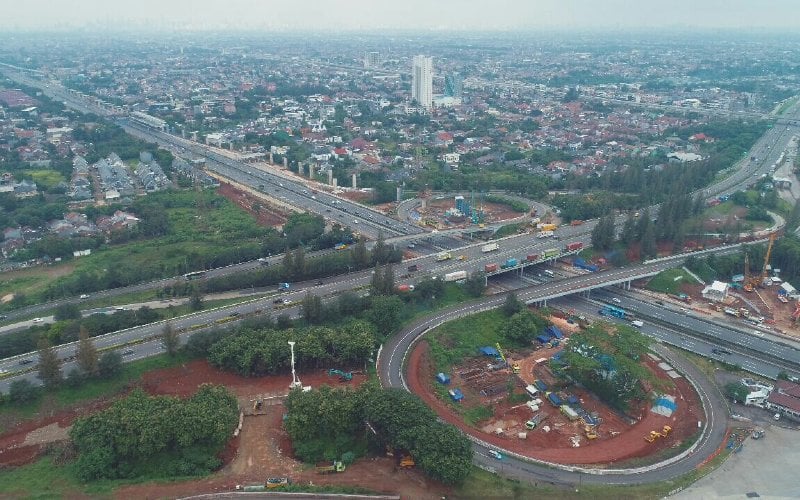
<point x="343" y="376"/>
<point x="514" y="366"/>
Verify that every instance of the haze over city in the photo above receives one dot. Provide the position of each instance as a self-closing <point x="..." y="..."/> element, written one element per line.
<point x="369" y="15"/>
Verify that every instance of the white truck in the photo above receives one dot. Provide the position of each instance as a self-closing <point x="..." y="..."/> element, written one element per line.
<point x="489" y="247"/>
<point x="455" y="276"/>
<point x="544" y="234"/>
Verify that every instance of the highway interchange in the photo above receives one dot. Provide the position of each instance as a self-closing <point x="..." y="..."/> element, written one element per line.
<point x="142" y="341"/>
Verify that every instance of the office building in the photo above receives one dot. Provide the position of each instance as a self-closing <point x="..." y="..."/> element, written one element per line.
<point x="372" y="59"/>
<point x="422" y="81"/>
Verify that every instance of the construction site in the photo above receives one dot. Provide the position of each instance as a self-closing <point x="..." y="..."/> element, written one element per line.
<point x="514" y="400"/>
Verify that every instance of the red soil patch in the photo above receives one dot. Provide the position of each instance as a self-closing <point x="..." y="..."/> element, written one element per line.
<point x="618" y="440"/>
<point x="263" y="449"/>
<point x="264" y="213"/>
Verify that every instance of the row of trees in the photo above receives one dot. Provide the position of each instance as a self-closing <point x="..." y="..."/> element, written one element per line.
<point x="328" y="423"/>
<point x="255" y="352"/>
<point x="156" y="436"/>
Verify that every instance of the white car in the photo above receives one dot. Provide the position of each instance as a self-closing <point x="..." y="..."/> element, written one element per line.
<point x="37" y="320"/>
<point x="496" y="454"/>
<point x="84" y="296"/>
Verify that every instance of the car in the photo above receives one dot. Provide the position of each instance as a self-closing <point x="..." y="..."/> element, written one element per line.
<point x="25" y="361"/>
<point x="277" y="301"/>
<point x="496" y="454"/>
<point x="37" y="320"/>
<point x="3" y="316"/>
<point x="717" y="350"/>
<point x="84" y="296"/>
<point x="355" y="221"/>
<point x="327" y="209"/>
<point x="411" y="246"/>
<point x="320" y="283"/>
<point x="127" y="352"/>
<point x="616" y="300"/>
<point x="286" y="302"/>
<point x="234" y="314"/>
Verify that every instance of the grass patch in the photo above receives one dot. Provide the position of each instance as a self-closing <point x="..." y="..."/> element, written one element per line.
<point x="477" y="413"/>
<point x="670" y="281"/>
<point x="456" y="340"/>
<point x="44" y="177"/>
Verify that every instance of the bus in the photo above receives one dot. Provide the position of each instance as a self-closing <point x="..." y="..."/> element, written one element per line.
<point x="196" y="275"/>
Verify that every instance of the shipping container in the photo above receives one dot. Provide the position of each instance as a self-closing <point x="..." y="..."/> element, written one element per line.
<point x="455" y="276"/>
<point x="551" y="252"/>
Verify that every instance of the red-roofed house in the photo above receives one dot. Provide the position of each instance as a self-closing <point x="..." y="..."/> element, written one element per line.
<point x="785" y="399"/>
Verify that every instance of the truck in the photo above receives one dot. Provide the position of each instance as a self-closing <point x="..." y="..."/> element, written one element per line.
<point x="546" y="227"/>
<point x="490" y="268"/>
<point x="442" y="256"/>
<point x="576" y="222"/>
<point x="574" y="246"/>
<point x="637" y="323"/>
<point x="405" y="288"/>
<point x="489" y="247"/>
<point x="544" y="234"/>
<point x="535" y="421"/>
<point x="531" y="390"/>
<point x="325" y="468"/>
<point x="532" y="257"/>
<point x="510" y="263"/>
<point x="571" y="414"/>
<point x="263" y="261"/>
<point x="550" y="252"/>
<point x="455" y="276"/>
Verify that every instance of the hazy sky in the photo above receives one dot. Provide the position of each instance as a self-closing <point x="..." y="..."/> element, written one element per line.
<point x="399" y="14"/>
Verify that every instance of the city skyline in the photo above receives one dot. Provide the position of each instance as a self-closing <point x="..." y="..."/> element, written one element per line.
<point x="360" y="15"/>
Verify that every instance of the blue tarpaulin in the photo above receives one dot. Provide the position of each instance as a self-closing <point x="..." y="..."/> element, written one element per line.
<point x="456" y="394"/>
<point x="489" y="351"/>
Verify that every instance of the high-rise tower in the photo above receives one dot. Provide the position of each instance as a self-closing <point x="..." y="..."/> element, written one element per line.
<point x="422" y="81"/>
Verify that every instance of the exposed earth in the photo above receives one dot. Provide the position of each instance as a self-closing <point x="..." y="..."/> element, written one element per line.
<point x="262" y="449"/>
<point x="620" y="437"/>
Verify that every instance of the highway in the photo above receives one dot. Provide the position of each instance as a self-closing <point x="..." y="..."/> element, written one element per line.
<point x="390" y="362"/>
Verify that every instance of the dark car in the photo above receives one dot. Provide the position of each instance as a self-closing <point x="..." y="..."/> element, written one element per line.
<point x="277" y="301"/>
<point x="25" y="361"/>
<point x="718" y="350"/>
<point x="320" y="283"/>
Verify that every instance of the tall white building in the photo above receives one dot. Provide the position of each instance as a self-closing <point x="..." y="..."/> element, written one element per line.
<point x="422" y="81"/>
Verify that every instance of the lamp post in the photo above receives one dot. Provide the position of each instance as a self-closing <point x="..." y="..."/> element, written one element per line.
<point x="295" y="381"/>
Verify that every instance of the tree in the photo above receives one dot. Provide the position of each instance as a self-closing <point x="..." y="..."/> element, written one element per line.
<point x="523" y="327"/>
<point x="74" y="378"/>
<point x="49" y="364"/>
<point x="380" y="252"/>
<point x="196" y="299"/>
<point x="86" y="355"/>
<point x="736" y="391"/>
<point x="628" y="234"/>
<point x="359" y="255"/>
<point x="385" y="314"/>
<point x="603" y="233"/>
<point x="110" y="364"/>
<point x="67" y="311"/>
<point x="475" y="284"/>
<point x="22" y="391"/>
<point x="512" y="305"/>
<point x="649" y="248"/>
<point x="169" y="339"/>
<point x="312" y="309"/>
<point x="382" y="282"/>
